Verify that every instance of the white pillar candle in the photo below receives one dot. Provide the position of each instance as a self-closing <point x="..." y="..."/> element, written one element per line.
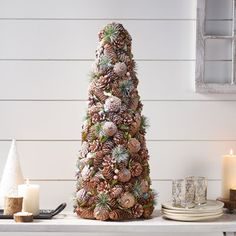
<point x="228" y="174"/>
<point x="30" y="194"/>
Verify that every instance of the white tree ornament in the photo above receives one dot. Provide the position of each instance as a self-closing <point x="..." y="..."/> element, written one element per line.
<point x="12" y="175"/>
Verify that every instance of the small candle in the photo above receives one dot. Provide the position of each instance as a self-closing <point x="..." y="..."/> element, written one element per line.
<point x="30" y="194"/>
<point x="228" y="174"/>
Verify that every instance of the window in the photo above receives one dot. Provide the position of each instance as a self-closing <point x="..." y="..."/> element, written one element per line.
<point x="215" y="46"/>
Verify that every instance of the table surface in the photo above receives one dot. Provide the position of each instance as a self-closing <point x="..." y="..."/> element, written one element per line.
<point x="71" y="223"/>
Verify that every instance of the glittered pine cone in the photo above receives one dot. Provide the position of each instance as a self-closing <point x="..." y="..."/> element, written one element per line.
<point x="112" y="104"/>
<point x="148" y="212"/>
<point x="85" y="213"/>
<point x="137" y="210"/>
<point x="95" y="108"/>
<point x="136" y="169"/>
<point x="119" y="214"/>
<point x="109" y="128"/>
<point x="96" y="117"/>
<point x="120" y="69"/>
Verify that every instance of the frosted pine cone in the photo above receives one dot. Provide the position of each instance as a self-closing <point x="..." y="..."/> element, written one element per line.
<point x="115" y="118"/>
<point x="95" y="108"/>
<point x="119" y="214"/>
<point x="82" y="196"/>
<point x="133" y="145"/>
<point x="94" y="146"/>
<point x="107" y="147"/>
<point x="116" y="191"/>
<point x="96" y="117"/>
<point x="120" y="68"/>
<point x="127" y="118"/>
<point x="109" y="128"/>
<point x="112" y="104"/>
<point x="85" y="213"/>
<point x="84" y="149"/>
<point x="136" y="169"/>
<point x="137" y="210"/>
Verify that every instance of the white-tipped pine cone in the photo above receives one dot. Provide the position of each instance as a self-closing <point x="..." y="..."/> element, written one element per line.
<point x="112" y="104"/>
<point x="84" y="149"/>
<point x="109" y="128"/>
<point x="137" y="210"/>
<point x="133" y="145"/>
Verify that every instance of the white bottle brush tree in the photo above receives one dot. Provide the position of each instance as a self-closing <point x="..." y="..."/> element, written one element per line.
<point x="113" y="181"/>
<point x="12" y="174"/>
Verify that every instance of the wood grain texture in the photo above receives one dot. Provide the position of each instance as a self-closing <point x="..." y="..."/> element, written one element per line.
<point x="90" y="9"/>
<point x="68" y="39"/>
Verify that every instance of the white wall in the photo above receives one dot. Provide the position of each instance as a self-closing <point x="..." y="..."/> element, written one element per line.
<point x="46" y="51"/>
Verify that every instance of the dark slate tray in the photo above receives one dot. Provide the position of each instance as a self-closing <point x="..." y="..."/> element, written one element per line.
<point x="43" y="214"/>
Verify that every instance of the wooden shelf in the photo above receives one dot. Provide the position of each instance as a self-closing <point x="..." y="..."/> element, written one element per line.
<point x="70" y="223"/>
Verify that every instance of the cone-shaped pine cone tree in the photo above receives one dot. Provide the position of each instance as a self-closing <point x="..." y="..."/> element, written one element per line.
<point x="113" y="180"/>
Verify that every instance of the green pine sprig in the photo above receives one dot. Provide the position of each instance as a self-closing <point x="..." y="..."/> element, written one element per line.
<point x="144" y="123"/>
<point x="111" y="32"/>
<point x="120" y="154"/>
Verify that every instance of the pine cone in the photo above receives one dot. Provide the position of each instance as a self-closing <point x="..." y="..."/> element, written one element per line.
<point x="115" y="118"/>
<point x="85" y="213"/>
<point x="119" y="138"/>
<point x="136" y="157"/>
<point x="98" y="159"/>
<point x="134" y="101"/>
<point x="109" y="128"/>
<point x="101" y="213"/>
<point x="99" y="94"/>
<point x="107" y="147"/>
<point x="96" y="118"/>
<point x="103" y="82"/>
<point x="115" y="90"/>
<point x="94" y="146"/>
<point x="137" y="210"/>
<point x="110" y="52"/>
<point x="136" y="169"/>
<point x="148" y="212"/>
<point x="112" y="104"/>
<point x="133" y="145"/>
<point x="144" y="153"/>
<point x="127" y="200"/>
<point x="113" y="203"/>
<point x="119" y="214"/>
<point x="127" y="118"/>
<point x="95" y="108"/>
<point x="84" y="149"/>
<point x="107" y="172"/>
<point x="89" y="185"/>
<point x="124" y="175"/>
<point x="116" y="191"/>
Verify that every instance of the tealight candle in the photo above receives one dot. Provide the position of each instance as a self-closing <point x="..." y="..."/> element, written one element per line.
<point x="30" y="194"/>
<point x="228" y="174"/>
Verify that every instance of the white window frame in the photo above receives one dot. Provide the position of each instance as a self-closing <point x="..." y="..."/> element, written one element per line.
<point x="201" y="86"/>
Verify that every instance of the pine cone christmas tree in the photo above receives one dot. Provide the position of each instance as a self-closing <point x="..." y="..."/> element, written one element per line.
<point x="113" y="171"/>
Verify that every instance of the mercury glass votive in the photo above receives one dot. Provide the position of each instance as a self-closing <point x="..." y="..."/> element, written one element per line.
<point x="200" y="190"/>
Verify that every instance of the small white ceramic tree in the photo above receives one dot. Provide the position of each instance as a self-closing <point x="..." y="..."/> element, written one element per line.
<point x="12" y="174"/>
